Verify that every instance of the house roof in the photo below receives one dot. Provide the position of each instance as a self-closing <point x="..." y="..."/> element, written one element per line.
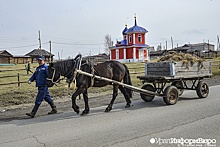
<point x="5" y="53"/>
<point x="197" y="44"/>
<point x="37" y="52"/>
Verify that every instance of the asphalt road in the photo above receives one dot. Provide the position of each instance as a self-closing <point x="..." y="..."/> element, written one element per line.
<point x="144" y="124"/>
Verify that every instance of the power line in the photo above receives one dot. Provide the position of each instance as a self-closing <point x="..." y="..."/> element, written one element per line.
<point x="22" y="46"/>
<point x="78" y="43"/>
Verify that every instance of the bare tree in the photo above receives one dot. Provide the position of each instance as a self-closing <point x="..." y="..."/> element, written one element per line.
<point x="108" y="43"/>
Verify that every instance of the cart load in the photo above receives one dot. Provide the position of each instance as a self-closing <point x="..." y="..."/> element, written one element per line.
<point x="173" y="74"/>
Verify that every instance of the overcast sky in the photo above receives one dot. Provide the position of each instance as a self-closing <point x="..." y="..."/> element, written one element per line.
<point x="76" y="26"/>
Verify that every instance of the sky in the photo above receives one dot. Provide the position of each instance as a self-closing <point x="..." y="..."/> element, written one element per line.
<point x="80" y="26"/>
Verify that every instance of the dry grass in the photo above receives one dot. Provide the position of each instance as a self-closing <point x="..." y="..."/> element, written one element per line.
<point x="14" y="95"/>
<point x="26" y="93"/>
<point x="185" y="58"/>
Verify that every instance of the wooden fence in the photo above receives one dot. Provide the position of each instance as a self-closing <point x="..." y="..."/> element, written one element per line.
<point x="18" y="75"/>
<point x="134" y="70"/>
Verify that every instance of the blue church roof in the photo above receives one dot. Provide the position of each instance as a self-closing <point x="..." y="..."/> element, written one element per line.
<point x="124" y="32"/>
<point x="136" y="28"/>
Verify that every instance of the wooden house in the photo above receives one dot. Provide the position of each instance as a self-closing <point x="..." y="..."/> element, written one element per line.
<point x="5" y="57"/>
<point x="20" y="59"/>
<point x="36" y="52"/>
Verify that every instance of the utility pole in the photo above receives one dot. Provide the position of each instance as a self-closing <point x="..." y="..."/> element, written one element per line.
<point x="61" y="55"/>
<point x="166" y="45"/>
<point x="39" y="40"/>
<point x="218" y="45"/>
<point x="58" y="56"/>
<point x="50" y="52"/>
<point x="208" y="45"/>
<point x="172" y="42"/>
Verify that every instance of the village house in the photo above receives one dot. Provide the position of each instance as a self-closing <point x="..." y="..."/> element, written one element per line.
<point x="205" y="50"/>
<point x="36" y="52"/>
<point x="8" y="58"/>
<point x="198" y="49"/>
<point x="19" y="59"/>
<point x="5" y="57"/>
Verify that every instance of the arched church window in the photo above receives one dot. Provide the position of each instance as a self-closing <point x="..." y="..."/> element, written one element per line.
<point x="139" y="38"/>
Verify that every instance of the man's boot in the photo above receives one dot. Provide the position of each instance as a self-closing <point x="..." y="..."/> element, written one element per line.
<point x="54" y="109"/>
<point x="33" y="112"/>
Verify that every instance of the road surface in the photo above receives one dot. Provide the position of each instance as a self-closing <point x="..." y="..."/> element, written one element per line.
<point x="144" y="124"/>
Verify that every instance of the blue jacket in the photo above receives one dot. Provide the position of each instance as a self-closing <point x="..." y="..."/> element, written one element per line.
<point x="40" y="75"/>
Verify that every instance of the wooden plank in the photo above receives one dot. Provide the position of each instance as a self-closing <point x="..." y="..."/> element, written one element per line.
<point x="177" y="69"/>
<point x="143" y="91"/>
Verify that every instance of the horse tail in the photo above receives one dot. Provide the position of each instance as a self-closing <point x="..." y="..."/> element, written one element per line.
<point x="127" y="80"/>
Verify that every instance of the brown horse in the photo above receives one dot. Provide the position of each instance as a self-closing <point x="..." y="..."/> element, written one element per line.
<point x="110" y="69"/>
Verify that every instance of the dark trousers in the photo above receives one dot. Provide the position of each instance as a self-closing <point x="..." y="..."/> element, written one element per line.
<point x="43" y="94"/>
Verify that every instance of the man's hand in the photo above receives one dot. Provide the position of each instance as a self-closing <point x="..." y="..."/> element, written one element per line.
<point x="29" y="82"/>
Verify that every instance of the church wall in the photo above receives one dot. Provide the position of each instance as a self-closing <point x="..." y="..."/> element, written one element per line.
<point x="121" y="53"/>
<point x="113" y="54"/>
<point x="129" y="53"/>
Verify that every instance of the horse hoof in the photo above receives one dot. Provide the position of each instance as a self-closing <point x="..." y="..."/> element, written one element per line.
<point x="108" y="109"/>
<point x="84" y="113"/>
<point x="77" y="111"/>
<point x="128" y="106"/>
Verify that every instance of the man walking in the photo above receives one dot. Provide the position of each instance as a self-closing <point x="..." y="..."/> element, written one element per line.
<point x="40" y="76"/>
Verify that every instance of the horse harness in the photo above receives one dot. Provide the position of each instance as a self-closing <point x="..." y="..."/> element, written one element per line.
<point x="93" y="70"/>
<point x="58" y="80"/>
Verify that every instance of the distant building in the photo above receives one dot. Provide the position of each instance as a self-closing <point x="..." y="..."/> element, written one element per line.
<point x="97" y="58"/>
<point x="199" y="49"/>
<point x="157" y="54"/>
<point x="36" y="52"/>
<point x="132" y="48"/>
<point x="8" y="58"/>
<point x="5" y="57"/>
<point x="205" y="50"/>
<point x="20" y="59"/>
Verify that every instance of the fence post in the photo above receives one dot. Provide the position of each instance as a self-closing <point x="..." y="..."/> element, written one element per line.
<point x="218" y="65"/>
<point x="18" y="80"/>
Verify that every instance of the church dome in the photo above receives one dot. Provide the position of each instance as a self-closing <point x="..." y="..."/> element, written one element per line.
<point x="136" y="28"/>
<point x="124" y="32"/>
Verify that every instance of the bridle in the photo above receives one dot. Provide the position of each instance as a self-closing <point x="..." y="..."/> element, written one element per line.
<point x="78" y="60"/>
<point x="57" y="81"/>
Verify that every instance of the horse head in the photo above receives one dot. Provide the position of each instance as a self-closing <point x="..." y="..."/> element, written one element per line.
<point x="53" y="75"/>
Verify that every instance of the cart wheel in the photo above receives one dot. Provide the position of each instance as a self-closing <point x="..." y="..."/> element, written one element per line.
<point x="202" y="89"/>
<point x="179" y="86"/>
<point x="171" y="95"/>
<point x="148" y="98"/>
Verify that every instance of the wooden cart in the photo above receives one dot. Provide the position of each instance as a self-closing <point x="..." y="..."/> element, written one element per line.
<point x="170" y="79"/>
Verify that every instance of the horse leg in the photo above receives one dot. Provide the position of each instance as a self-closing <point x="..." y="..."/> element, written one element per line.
<point x="75" y="94"/>
<point x="115" y="93"/>
<point x="124" y="92"/>
<point x="85" y="97"/>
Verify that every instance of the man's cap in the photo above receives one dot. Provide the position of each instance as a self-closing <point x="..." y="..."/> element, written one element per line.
<point x="41" y="58"/>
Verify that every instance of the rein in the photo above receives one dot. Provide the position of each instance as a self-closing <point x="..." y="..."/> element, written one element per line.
<point x="57" y="81"/>
<point x="78" y="60"/>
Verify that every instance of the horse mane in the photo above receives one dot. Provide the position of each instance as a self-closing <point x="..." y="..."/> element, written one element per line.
<point x="65" y="66"/>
